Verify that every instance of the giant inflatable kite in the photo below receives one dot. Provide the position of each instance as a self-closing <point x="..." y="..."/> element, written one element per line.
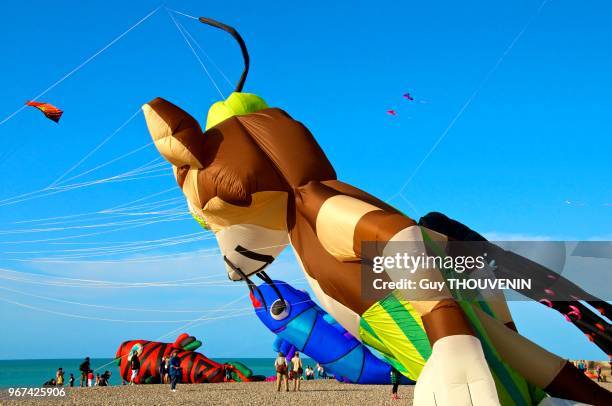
<point x="258" y="179"/>
<point x="196" y="368"/>
<point x="300" y="324"/>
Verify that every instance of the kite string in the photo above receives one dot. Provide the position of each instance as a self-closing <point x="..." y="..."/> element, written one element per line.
<point x="90" y="234"/>
<point x="157" y="207"/>
<point x="229" y="82"/>
<point x="141" y="259"/>
<point x="93" y="151"/>
<point x="82" y="64"/>
<point x="118" y="308"/>
<point x="180" y="30"/>
<point x="54" y="280"/>
<point x="78" y="316"/>
<point x="102" y="165"/>
<point x="467" y="103"/>
<point x="102" y="246"/>
<point x="183" y="14"/>
<point x="98" y="282"/>
<point x="122" y="206"/>
<point x="195" y="323"/>
<point x="47" y="191"/>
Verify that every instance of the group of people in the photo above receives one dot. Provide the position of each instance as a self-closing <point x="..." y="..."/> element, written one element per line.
<point x="309" y="372"/>
<point x="293" y="371"/>
<point x="59" y="379"/>
<point x="285" y="373"/>
<point x="169" y="370"/>
<point x="583" y="366"/>
<point x="87" y="377"/>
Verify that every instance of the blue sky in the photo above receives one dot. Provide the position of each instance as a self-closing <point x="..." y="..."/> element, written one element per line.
<point x="535" y="137"/>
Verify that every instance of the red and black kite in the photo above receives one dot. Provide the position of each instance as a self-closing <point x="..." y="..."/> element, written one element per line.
<point x="49" y="110"/>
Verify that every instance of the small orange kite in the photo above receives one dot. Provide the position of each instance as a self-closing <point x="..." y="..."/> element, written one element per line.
<point x="49" y="110"/>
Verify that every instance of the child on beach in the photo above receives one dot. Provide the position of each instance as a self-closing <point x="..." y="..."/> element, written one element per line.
<point x="162" y="370"/>
<point x="175" y="370"/>
<point x="103" y="380"/>
<point x="71" y="380"/>
<point x="59" y="377"/>
<point x="280" y="365"/>
<point x="90" y="378"/>
<point x="296" y="369"/>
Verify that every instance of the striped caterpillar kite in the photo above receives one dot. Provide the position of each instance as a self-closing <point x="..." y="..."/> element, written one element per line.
<point x="196" y="368"/>
<point x="258" y="179"/>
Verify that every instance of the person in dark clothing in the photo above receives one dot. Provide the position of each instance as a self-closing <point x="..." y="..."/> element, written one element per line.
<point x="395" y="381"/>
<point x="228" y="373"/>
<point x="162" y="370"/>
<point x="135" y="366"/>
<point x="71" y="380"/>
<point x="104" y="378"/>
<point x="175" y="370"/>
<point x="84" y="368"/>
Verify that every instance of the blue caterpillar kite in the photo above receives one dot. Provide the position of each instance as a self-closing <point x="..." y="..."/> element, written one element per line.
<point x="299" y="322"/>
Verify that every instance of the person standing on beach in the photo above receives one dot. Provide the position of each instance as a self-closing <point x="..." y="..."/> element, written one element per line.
<point x="395" y="380"/>
<point x="84" y="368"/>
<point x="167" y="376"/>
<point x="59" y="377"/>
<point x="162" y="370"/>
<point x="598" y="372"/>
<point x="227" y="371"/>
<point x="297" y="370"/>
<point x="71" y="380"/>
<point x="280" y="365"/>
<point x="175" y="370"/>
<point x="90" y="378"/>
<point x="321" y="372"/>
<point x="135" y="366"/>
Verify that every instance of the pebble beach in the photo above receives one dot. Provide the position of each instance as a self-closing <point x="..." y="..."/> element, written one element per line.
<point x="318" y="392"/>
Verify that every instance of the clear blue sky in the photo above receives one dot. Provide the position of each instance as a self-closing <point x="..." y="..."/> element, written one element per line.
<point x="535" y="136"/>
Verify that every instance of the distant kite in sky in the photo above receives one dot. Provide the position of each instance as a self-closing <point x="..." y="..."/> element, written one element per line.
<point x="407" y="96"/>
<point x="392" y="112"/>
<point x="49" y="110"/>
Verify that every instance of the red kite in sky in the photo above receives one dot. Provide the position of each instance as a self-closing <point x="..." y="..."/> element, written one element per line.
<point x="49" y="110"/>
<point x="391" y="112"/>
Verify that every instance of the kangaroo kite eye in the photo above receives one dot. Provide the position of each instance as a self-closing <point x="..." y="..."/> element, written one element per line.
<point x="279" y="309"/>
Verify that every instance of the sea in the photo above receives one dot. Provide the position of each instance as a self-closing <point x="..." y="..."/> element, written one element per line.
<point x="35" y="372"/>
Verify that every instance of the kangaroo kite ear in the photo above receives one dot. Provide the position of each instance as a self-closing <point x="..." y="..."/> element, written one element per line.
<point x="176" y="134"/>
